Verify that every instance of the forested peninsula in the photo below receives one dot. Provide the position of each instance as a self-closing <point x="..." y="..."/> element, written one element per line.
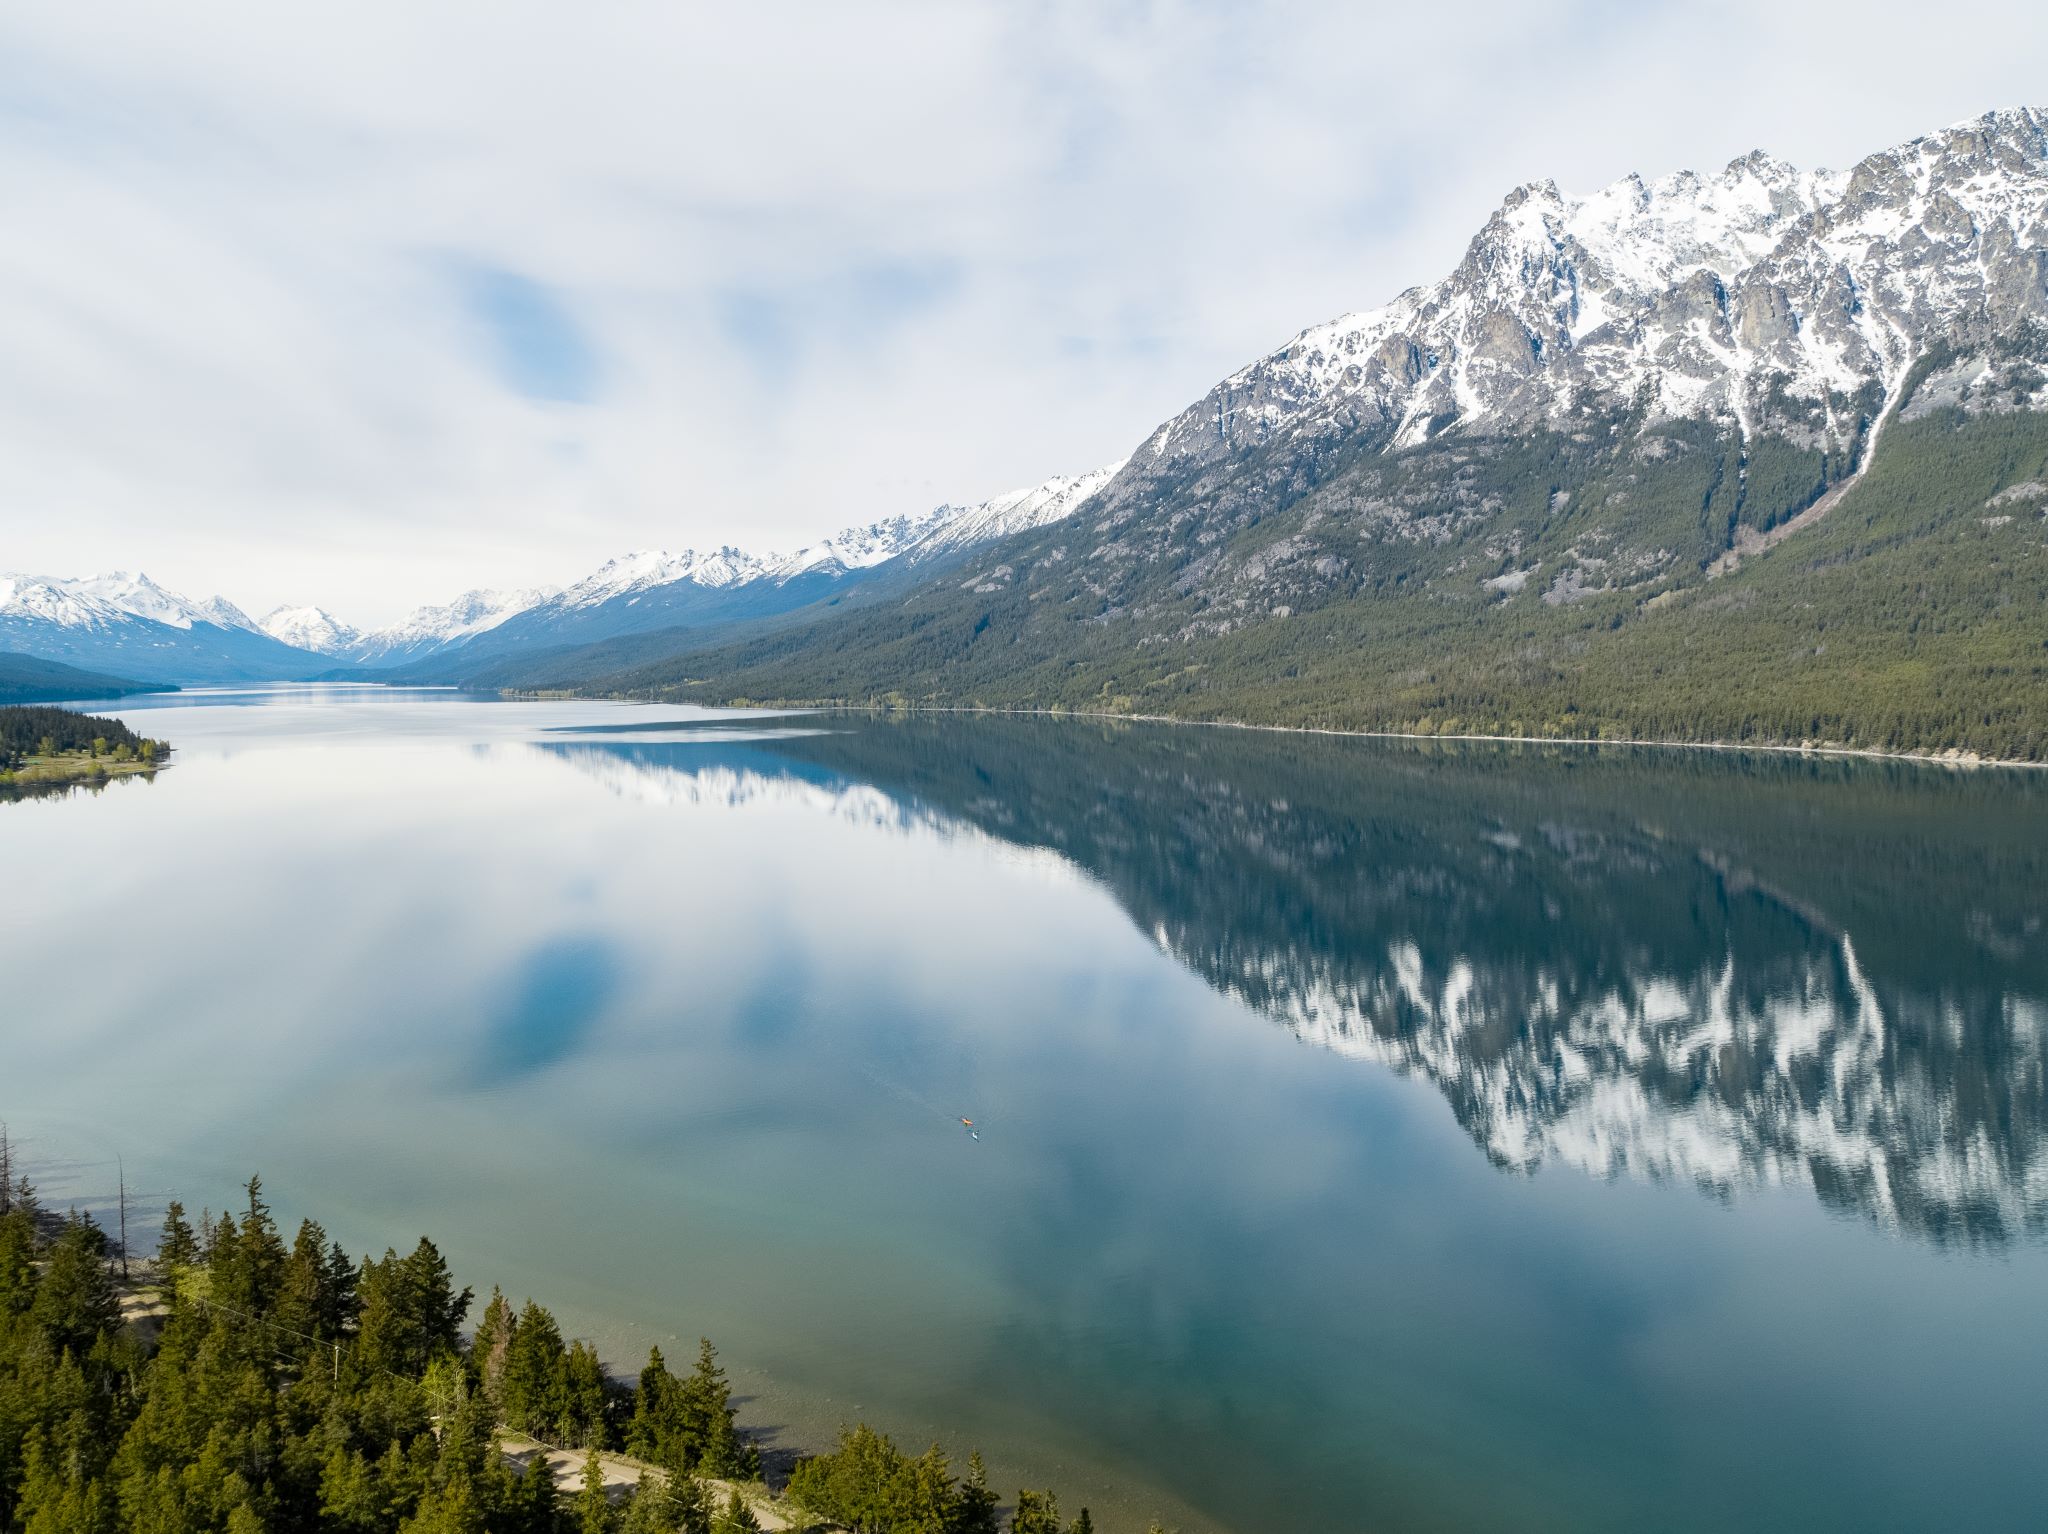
<point x="244" y="1383"/>
<point x="45" y="748"/>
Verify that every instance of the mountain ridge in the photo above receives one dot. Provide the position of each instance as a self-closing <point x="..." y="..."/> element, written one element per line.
<point x="1560" y="491"/>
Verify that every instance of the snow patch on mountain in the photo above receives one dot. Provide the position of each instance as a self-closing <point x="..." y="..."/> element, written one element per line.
<point x="858" y="548"/>
<point x="1005" y="516"/>
<point x="425" y="628"/>
<point x="648" y="568"/>
<point x="310" y="628"/>
<point x="916" y="537"/>
<point x="100" y="601"/>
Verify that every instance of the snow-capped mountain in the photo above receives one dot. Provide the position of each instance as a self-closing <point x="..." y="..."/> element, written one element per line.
<point x="654" y="589"/>
<point x="1762" y="295"/>
<point x="646" y="569"/>
<point x="1617" y="399"/>
<point x="635" y="593"/>
<point x="128" y="593"/>
<point x="962" y="527"/>
<point x="917" y="537"/>
<point x="125" y="624"/>
<point x="859" y="548"/>
<point x="32" y="599"/>
<point x="428" y="629"/>
<point x="310" y="628"/>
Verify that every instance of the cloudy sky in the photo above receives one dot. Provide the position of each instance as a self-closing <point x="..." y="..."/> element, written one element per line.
<point x="368" y="303"/>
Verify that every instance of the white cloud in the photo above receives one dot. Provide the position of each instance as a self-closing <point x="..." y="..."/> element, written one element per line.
<point x="827" y="261"/>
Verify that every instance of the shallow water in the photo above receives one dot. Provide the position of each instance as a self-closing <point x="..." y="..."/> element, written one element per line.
<point x="1371" y="1136"/>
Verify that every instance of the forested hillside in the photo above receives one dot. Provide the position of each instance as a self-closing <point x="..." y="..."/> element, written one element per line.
<point x="27" y="679"/>
<point x="1535" y="586"/>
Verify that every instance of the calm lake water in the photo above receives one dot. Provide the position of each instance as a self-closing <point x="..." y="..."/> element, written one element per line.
<point x="1371" y="1136"/>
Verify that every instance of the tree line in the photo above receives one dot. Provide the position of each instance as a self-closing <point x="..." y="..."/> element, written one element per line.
<point x="292" y="1387"/>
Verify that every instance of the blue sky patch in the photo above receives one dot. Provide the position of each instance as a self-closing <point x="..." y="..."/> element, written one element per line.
<point x="534" y="342"/>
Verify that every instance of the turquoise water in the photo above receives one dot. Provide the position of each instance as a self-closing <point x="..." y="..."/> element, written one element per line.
<point x="1371" y="1136"/>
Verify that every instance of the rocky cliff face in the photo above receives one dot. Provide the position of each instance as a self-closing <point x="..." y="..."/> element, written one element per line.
<point x="1762" y="297"/>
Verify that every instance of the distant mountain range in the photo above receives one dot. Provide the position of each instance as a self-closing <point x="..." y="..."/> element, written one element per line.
<point x="1758" y="454"/>
<point x="129" y="622"/>
<point x="126" y="625"/>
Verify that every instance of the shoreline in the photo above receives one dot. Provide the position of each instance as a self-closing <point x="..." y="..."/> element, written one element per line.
<point x="72" y="772"/>
<point x="1953" y="758"/>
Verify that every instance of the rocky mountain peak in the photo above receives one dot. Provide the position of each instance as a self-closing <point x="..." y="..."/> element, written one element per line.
<point x="1712" y="296"/>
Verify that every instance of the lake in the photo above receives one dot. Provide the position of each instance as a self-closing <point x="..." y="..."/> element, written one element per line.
<point x="1370" y="1135"/>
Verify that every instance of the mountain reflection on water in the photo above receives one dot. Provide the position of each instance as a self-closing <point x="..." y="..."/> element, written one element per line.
<point x="1726" y="970"/>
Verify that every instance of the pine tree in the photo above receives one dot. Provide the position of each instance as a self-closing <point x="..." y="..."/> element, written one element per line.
<point x="1082" y="1524"/>
<point x="588" y="1398"/>
<point x="706" y="1421"/>
<point x="410" y="1312"/>
<point x="1037" y="1512"/>
<point x="339" y="1285"/>
<point x="593" y="1503"/>
<point x="488" y="1349"/>
<point x="535" y="1362"/>
<point x="532" y="1505"/>
<point x="75" y="1300"/>
<point x="177" y="1247"/>
<point x="17" y="1263"/>
<point x="350" y="1500"/>
<point x="26" y="1203"/>
<point x="974" y="1505"/>
<point x="654" y="1409"/>
<point x="247" y="1264"/>
<point x="736" y="1517"/>
<point x="303" y="1306"/>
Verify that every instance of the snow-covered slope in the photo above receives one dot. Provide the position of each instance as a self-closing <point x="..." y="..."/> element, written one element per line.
<point x="655" y="589"/>
<point x="646" y="569"/>
<point x="428" y="629"/>
<point x="962" y="527"/>
<point x="858" y="548"/>
<point x="125" y="624"/>
<point x="852" y="549"/>
<point x="100" y="599"/>
<point x="1759" y="292"/>
<point x="28" y="599"/>
<point x="310" y="628"/>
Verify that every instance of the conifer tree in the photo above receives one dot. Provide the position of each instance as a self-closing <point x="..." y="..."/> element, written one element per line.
<point x="594" y="1504"/>
<point x="535" y="1365"/>
<point x="532" y="1505"/>
<point x="488" y="1349"/>
<point x="706" y="1419"/>
<point x="587" y="1397"/>
<point x="247" y="1264"/>
<point x="1037" y="1512"/>
<point x="974" y="1505"/>
<point x="655" y="1403"/>
<point x="75" y="1301"/>
<point x="177" y="1247"/>
<point x="17" y="1263"/>
<point x="736" y="1517"/>
<point x="410" y="1311"/>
